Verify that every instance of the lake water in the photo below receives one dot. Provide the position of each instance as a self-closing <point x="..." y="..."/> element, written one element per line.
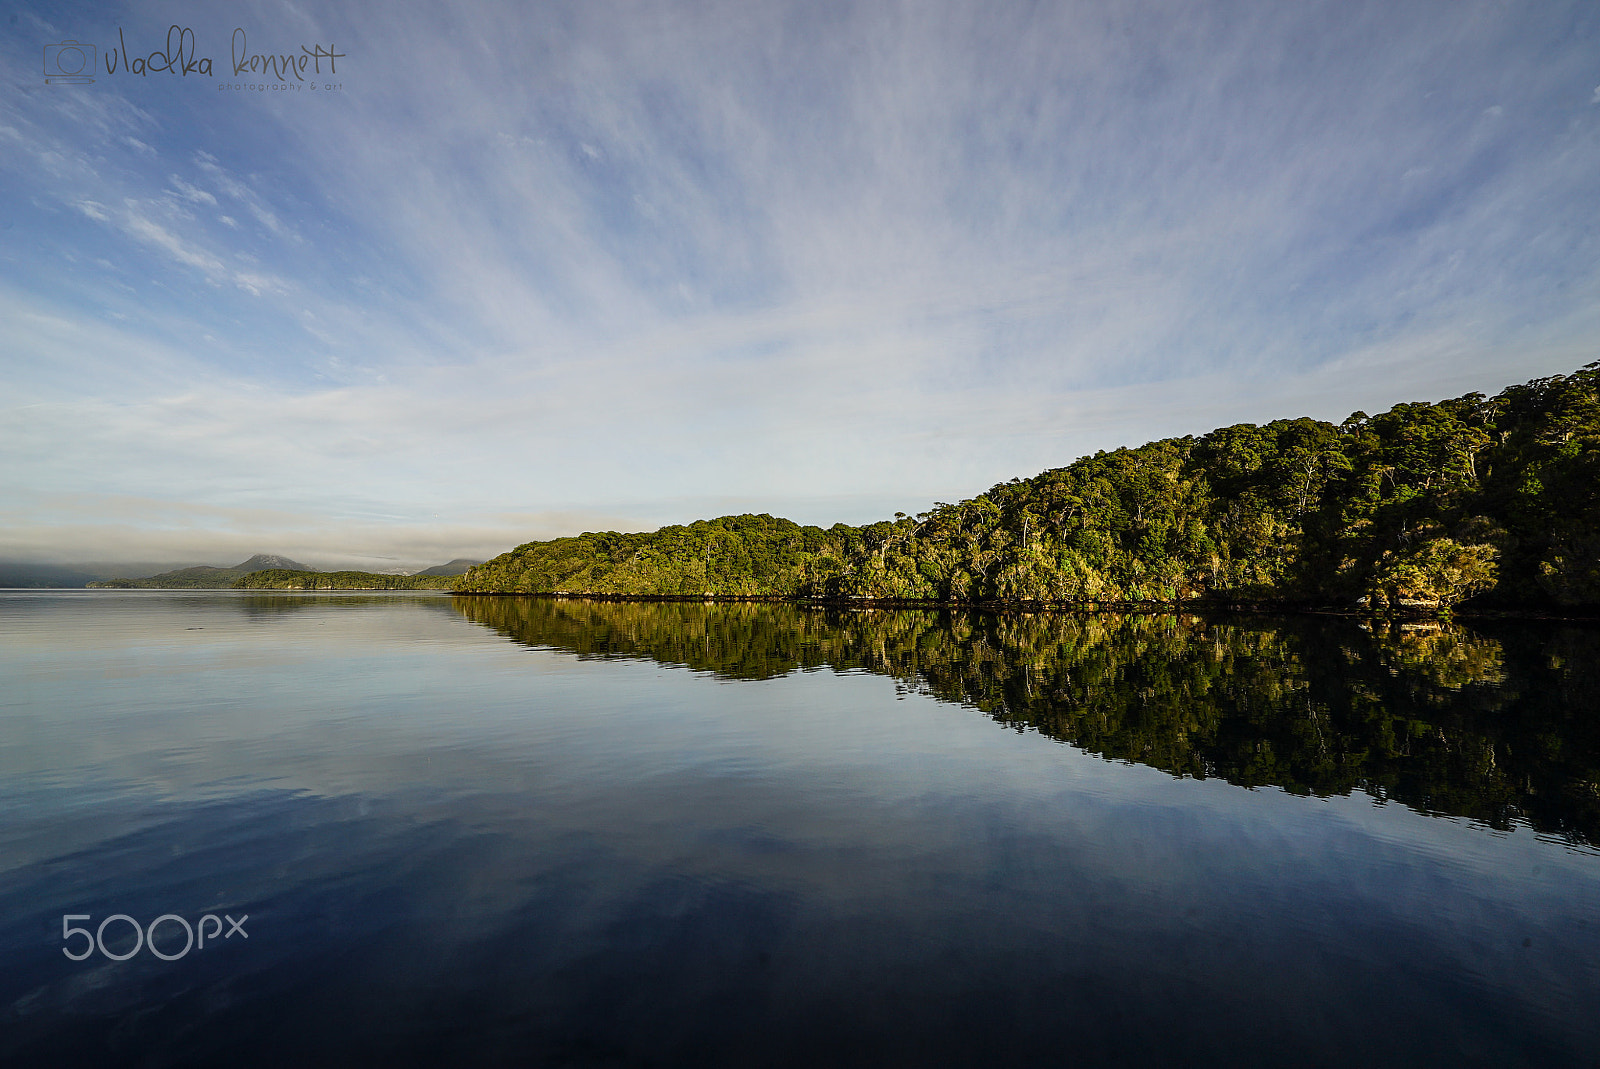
<point x="560" y="833"/>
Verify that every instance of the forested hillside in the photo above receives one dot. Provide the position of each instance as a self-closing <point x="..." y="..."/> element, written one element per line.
<point x="1420" y="507"/>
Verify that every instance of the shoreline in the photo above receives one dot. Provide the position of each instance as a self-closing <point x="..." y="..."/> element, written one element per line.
<point x="1084" y="607"/>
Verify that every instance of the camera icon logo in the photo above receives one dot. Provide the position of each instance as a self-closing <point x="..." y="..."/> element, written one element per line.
<point x="69" y="63"/>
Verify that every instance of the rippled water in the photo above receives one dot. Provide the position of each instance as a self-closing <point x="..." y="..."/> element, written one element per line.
<point x="562" y="833"/>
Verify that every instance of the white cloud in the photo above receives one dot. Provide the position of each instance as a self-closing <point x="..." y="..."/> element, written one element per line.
<point x="191" y="193"/>
<point x="239" y="191"/>
<point x="133" y="222"/>
<point x="696" y="255"/>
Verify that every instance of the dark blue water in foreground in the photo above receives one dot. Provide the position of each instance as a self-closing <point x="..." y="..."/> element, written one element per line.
<point x="554" y="834"/>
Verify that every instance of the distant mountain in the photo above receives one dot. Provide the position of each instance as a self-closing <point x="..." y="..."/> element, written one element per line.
<point x="13" y="574"/>
<point x="262" y="561"/>
<point x="137" y="568"/>
<point x="459" y="566"/>
<point x="205" y="577"/>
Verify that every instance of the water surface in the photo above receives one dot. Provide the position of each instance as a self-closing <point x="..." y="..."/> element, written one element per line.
<point x="539" y="832"/>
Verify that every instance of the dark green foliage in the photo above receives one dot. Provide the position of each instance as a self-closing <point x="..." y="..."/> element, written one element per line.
<point x="284" y="579"/>
<point x="1418" y="508"/>
<point x="732" y="556"/>
<point x="1474" y="722"/>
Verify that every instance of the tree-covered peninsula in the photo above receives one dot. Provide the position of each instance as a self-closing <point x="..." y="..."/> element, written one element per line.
<point x="285" y="579"/>
<point x="271" y="572"/>
<point x="1494" y="499"/>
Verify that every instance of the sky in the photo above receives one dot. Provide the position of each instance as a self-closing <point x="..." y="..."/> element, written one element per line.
<point x="503" y="272"/>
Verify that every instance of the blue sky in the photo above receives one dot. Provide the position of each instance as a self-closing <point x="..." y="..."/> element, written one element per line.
<point x="530" y="269"/>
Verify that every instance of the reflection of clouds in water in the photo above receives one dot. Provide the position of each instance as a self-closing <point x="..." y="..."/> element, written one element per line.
<point x="1435" y="716"/>
<point x="578" y="844"/>
<point x="1444" y="718"/>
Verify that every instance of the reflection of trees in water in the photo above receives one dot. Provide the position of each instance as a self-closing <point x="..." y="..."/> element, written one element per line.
<point x="268" y="606"/>
<point x="1449" y="657"/>
<point x="1492" y="724"/>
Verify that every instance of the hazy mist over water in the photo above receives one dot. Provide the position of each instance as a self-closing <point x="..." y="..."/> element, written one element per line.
<point x="564" y="833"/>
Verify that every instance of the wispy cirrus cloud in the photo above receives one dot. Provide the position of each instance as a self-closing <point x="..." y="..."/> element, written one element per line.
<point x="627" y="259"/>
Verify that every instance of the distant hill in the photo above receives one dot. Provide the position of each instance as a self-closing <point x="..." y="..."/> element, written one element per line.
<point x="459" y="566"/>
<point x="205" y="577"/>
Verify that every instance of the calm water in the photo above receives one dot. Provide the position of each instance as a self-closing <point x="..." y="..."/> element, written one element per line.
<point x="490" y="831"/>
